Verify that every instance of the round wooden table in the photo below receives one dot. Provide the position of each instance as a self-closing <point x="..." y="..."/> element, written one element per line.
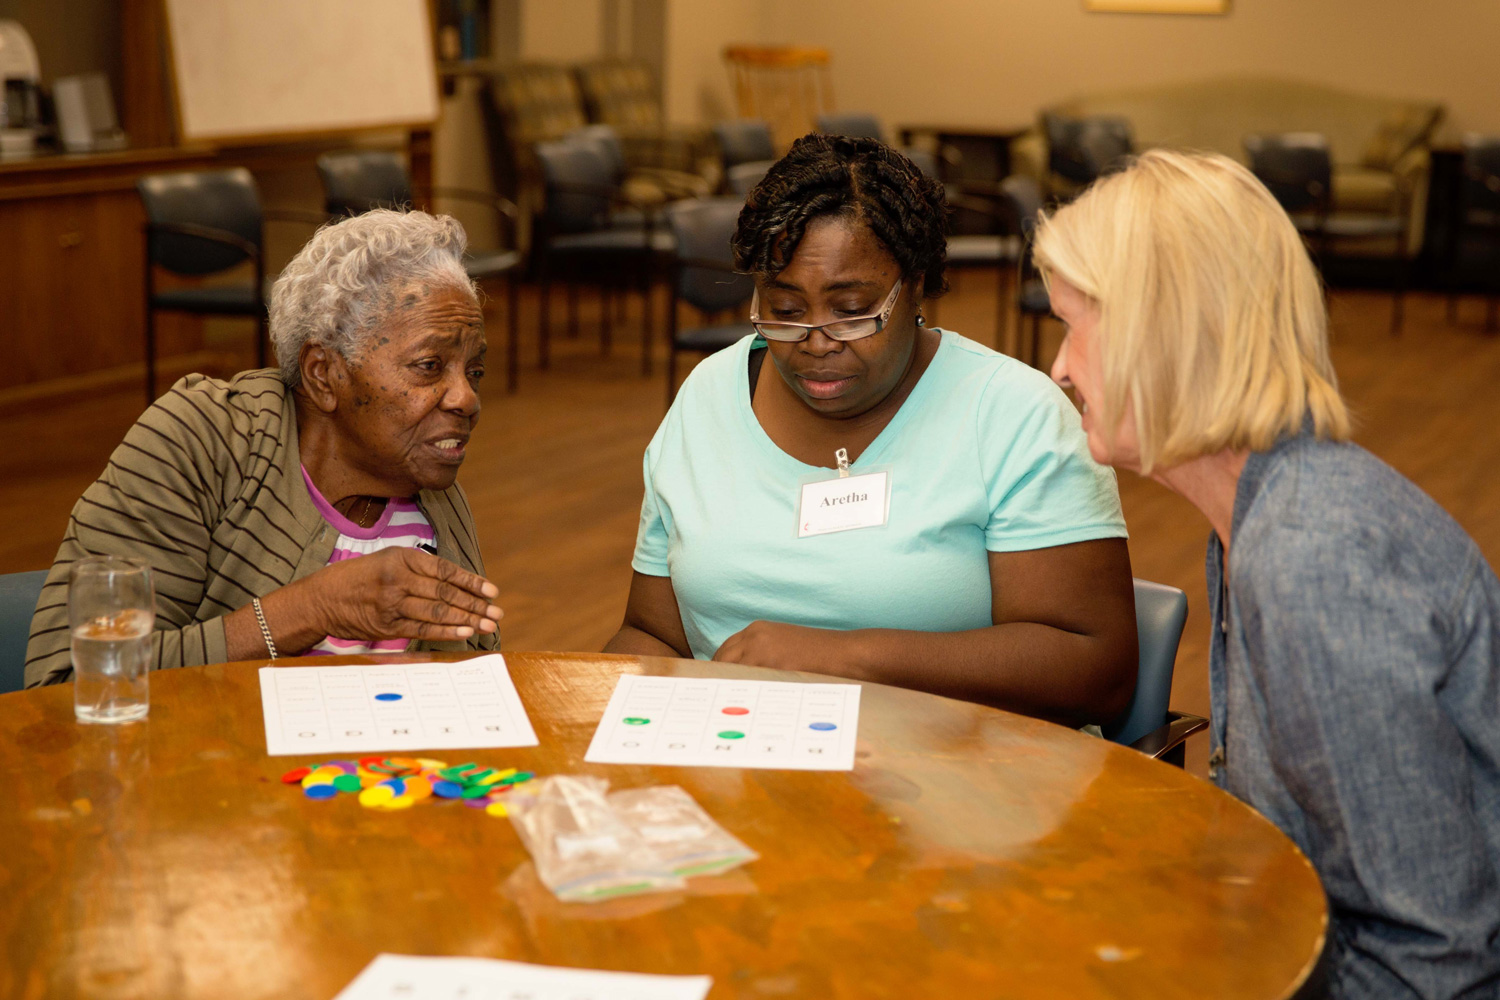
<point x="970" y="853"/>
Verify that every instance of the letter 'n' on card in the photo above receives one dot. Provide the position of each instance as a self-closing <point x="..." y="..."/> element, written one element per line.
<point x="843" y="504"/>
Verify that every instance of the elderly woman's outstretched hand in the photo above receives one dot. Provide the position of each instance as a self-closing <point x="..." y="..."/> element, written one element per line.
<point x="402" y="593"/>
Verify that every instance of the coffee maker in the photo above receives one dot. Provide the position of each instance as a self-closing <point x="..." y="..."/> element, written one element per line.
<point x="21" y="101"/>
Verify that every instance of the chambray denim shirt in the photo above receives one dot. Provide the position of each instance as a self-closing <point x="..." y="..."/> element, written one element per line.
<point x="1355" y="680"/>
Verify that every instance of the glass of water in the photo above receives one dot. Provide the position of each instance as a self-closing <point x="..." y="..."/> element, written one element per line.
<point x="112" y="609"/>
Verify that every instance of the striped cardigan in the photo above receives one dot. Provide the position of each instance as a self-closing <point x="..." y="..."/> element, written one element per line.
<point x="207" y="489"/>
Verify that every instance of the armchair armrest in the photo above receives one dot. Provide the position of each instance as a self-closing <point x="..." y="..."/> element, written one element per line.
<point x="1160" y="742"/>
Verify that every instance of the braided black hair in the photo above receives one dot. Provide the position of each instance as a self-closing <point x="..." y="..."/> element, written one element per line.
<point x="862" y="179"/>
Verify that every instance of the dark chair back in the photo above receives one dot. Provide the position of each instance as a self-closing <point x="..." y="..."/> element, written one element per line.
<point x="606" y="140"/>
<point x="1160" y="614"/>
<point x="1024" y="195"/>
<point x="925" y="161"/>
<point x="1481" y="184"/>
<point x="355" y="182"/>
<point x="859" y="124"/>
<point x="1296" y="167"/>
<point x="224" y="201"/>
<point x="19" y="593"/>
<point x="1082" y="150"/>
<point x="742" y="178"/>
<point x="579" y="180"/>
<point x="744" y="140"/>
<point x="703" y="228"/>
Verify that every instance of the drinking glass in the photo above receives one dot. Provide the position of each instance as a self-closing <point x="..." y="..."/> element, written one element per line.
<point x="111" y="609"/>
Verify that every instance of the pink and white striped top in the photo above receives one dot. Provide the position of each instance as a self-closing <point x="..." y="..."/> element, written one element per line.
<point x="400" y="524"/>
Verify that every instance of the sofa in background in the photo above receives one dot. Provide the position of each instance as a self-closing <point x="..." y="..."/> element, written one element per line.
<point x="1380" y="145"/>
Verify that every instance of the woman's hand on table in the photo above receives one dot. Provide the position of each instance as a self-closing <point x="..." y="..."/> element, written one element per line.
<point x="791" y="647"/>
<point x="397" y="593"/>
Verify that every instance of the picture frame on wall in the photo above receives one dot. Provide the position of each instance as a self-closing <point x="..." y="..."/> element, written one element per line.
<point x="1157" y="6"/>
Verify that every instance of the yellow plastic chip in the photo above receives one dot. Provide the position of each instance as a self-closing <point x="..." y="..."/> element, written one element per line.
<point x="496" y="809"/>
<point x="322" y="776"/>
<point x="431" y="765"/>
<point x="399" y="802"/>
<point x="379" y="795"/>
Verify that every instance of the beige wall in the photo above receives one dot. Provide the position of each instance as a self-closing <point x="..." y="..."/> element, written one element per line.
<point x="997" y="61"/>
<point x="696" y="82"/>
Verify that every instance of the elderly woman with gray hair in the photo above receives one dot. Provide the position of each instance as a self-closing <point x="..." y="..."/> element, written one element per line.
<point x="310" y="509"/>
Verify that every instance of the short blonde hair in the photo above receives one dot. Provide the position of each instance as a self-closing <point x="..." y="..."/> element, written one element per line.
<point x="1212" y="325"/>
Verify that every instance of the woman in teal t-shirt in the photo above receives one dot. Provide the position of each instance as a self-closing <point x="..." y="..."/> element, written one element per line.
<point x="883" y="501"/>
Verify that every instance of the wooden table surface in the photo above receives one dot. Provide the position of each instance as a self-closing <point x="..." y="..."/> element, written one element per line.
<point x="970" y="853"/>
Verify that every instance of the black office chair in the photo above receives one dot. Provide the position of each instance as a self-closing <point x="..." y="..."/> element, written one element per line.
<point x="1474" y="257"/>
<point x="1297" y="168"/>
<point x="200" y="224"/>
<point x="704" y="277"/>
<point x="859" y="124"/>
<point x="1081" y="150"/>
<point x="355" y="182"/>
<point x="575" y="231"/>
<point x="1148" y="725"/>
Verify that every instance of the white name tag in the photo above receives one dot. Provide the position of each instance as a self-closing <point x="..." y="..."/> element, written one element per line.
<point x="843" y="504"/>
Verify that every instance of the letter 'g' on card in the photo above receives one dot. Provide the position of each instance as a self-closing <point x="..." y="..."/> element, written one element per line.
<point x="843" y="504"/>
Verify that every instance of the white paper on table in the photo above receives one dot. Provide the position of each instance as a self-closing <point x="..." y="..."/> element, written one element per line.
<point x="712" y="722"/>
<point x="406" y="977"/>
<point x="466" y="705"/>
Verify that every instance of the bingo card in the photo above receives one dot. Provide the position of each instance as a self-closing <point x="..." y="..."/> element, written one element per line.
<point x="706" y="722"/>
<point x="466" y="705"/>
<point x="405" y="977"/>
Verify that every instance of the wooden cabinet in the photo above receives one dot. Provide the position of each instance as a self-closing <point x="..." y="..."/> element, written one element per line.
<point x="72" y="271"/>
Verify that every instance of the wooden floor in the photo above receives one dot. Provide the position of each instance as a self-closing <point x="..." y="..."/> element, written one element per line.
<point x="554" y="472"/>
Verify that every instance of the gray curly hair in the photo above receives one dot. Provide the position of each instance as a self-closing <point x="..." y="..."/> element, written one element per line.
<point x="346" y="280"/>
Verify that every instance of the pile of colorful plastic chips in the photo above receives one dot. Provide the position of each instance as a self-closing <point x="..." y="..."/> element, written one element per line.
<point x="392" y="783"/>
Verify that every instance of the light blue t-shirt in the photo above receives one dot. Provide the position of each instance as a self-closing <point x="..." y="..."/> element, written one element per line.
<point x="985" y="455"/>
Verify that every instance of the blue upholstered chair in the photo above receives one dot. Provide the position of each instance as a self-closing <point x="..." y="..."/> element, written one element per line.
<point x="1148" y="725"/>
<point x="18" y="599"/>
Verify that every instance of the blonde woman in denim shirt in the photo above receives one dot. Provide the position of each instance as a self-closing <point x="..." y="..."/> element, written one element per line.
<point x="1355" y="688"/>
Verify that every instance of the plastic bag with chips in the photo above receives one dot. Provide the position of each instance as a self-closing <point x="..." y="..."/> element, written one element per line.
<point x="685" y="838"/>
<point x="582" y="849"/>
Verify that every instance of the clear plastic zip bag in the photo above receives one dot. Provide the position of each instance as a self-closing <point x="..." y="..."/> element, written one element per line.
<point x="687" y="840"/>
<point x="583" y="850"/>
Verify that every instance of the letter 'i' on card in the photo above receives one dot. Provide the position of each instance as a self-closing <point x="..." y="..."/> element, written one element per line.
<point x="843" y="504"/>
